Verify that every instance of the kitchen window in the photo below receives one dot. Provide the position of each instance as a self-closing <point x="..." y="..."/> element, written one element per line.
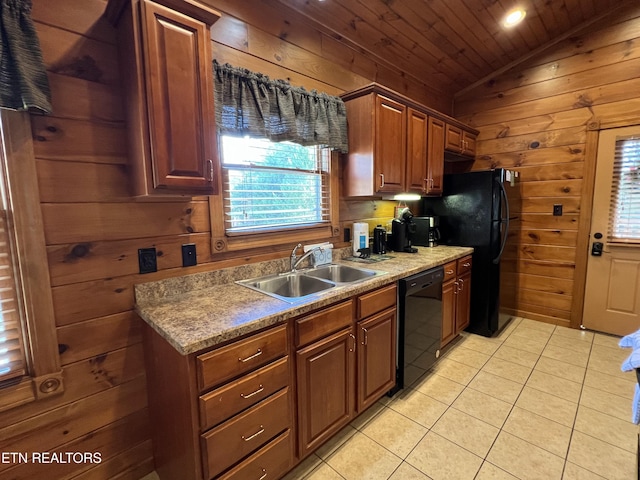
<point x="29" y="359"/>
<point x="624" y="212"/>
<point x="273" y="185"/>
<point x="278" y="145"/>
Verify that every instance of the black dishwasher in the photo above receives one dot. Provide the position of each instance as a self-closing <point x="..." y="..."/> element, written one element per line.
<point x="419" y="322"/>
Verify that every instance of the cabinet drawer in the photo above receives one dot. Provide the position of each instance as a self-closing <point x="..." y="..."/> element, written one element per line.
<point x="449" y="271"/>
<point x="235" y="439"/>
<point x="271" y="461"/>
<point x="464" y="264"/>
<point x="226" y="401"/>
<point x="240" y="357"/>
<point x="374" y="302"/>
<point x="318" y="325"/>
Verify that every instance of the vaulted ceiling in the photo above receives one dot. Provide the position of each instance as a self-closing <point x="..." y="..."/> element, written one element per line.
<point x="452" y="44"/>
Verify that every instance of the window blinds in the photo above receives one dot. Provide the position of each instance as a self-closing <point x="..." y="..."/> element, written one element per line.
<point x="269" y="185"/>
<point x="624" y="211"/>
<point x="12" y="358"/>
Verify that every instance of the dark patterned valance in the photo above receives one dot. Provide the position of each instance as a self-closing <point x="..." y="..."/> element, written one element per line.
<point x="23" y="78"/>
<point x="249" y="103"/>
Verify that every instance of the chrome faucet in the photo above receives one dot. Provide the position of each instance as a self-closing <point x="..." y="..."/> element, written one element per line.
<point x="295" y="261"/>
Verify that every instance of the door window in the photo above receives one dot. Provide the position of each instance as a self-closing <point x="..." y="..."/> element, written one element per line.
<point x="624" y="218"/>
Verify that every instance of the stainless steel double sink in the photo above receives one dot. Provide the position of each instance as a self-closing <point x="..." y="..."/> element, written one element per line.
<point x="303" y="285"/>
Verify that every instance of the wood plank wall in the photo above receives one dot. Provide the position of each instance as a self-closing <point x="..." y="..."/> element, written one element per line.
<point x="93" y="230"/>
<point x="535" y="119"/>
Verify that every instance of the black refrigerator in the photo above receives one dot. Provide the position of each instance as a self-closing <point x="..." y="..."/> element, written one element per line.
<point x="474" y="212"/>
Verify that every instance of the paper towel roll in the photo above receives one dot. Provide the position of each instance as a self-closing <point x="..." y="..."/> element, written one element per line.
<point x="360" y="236"/>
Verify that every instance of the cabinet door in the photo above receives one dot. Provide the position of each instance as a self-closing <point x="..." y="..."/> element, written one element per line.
<point x="391" y="145"/>
<point x="469" y="144"/>
<point x="179" y="83"/>
<point x="453" y="138"/>
<point x="463" y="301"/>
<point x="435" y="156"/>
<point x="376" y="357"/>
<point x="417" y="125"/>
<point x="449" y="297"/>
<point x="326" y="381"/>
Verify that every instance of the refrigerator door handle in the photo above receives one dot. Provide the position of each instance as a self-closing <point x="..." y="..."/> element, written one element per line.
<point x="504" y="220"/>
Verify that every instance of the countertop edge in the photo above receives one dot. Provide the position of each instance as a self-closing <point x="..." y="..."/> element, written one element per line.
<point x="193" y="322"/>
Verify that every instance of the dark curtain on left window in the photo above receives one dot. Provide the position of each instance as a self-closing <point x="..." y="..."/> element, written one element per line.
<point x="23" y="78"/>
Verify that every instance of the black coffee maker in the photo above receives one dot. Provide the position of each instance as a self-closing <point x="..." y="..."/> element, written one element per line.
<point x="433" y="237"/>
<point x="402" y="230"/>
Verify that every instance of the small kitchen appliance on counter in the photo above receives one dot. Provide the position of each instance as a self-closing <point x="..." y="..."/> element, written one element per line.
<point x="402" y="231"/>
<point x="427" y="231"/>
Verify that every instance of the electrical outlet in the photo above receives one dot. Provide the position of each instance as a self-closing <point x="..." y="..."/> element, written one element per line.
<point x="347" y="234"/>
<point x="147" y="260"/>
<point x="189" y="255"/>
<point x="557" y="210"/>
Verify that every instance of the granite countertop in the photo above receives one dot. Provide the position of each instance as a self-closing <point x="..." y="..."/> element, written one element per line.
<point x="202" y="310"/>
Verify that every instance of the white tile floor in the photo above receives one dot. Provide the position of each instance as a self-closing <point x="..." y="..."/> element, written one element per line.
<point x="538" y="402"/>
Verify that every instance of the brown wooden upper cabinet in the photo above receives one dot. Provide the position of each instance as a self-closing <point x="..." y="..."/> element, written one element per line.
<point x="166" y="62"/>
<point x="395" y="144"/>
<point x="460" y="141"/>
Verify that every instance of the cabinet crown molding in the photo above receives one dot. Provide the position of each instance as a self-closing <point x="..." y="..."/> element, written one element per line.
<point x="398" y="97"/>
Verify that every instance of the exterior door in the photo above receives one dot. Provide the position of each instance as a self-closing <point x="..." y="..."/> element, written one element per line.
<point x="612" y="294"/>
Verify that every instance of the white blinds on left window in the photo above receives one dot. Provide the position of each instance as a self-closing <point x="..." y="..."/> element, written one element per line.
<point x="12" y="358"/>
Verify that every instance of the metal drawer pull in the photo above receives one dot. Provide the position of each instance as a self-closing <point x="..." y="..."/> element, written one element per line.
<point x="466" y="264"/>
<point x="461" y="284"/>
<point x="210" y="162"/>
<point x="364" y="342"/>
<point x="249" y="395"/>
<point x="251" y="437"/>
<point x="354" y="342"/>
<point x="264" y="474"/>
<point x="449" y="272"/>
<point x="257" y="354"/>
<point x="455" y="290"/>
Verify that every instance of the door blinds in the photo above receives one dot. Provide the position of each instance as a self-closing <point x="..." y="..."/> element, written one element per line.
<point x="12" y="358"/>
<point x="624" y="212"/>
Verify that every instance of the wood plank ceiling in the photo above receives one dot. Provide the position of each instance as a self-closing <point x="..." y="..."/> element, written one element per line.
<point x="450" y="45"/>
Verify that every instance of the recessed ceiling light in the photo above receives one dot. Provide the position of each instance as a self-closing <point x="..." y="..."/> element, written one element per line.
<point x="514" y="17"/>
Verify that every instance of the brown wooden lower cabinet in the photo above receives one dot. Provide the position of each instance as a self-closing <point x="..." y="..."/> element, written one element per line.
<point x="343" y="373"/>
<point x="243" y="434"/>
<point x="463" y="301"/>
<point x="225" y="412"/>
<point x="456" y="298"/>
<point x="376" y="357"/>
<point x="270" y="462"/>
<point x="230" y="412"/>
<point x="326" y="388"/>
<point x="449" y="331"/>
